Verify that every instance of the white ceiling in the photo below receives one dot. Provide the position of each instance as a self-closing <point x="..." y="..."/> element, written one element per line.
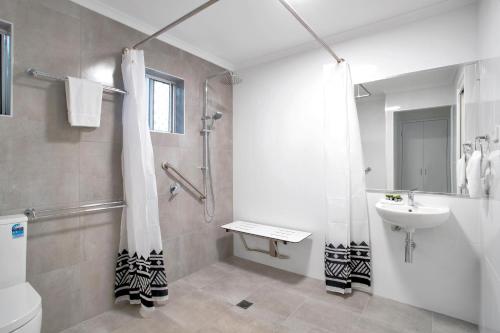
<point x="238" y="33"/>
<point x="444" y="76"/>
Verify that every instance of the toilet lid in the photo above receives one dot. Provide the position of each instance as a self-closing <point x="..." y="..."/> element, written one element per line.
<point x="18" y="305"/>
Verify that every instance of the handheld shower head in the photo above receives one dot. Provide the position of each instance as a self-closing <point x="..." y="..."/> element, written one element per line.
<point x="217" y="115"/>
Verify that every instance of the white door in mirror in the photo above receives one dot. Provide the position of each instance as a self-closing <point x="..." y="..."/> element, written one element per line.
<point x="410" y="217"/>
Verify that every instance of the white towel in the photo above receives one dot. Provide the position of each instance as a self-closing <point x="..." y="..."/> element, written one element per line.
<point x="84" y="99"/>
<point x="461" y="178"/>
<point x="473" y="173"/>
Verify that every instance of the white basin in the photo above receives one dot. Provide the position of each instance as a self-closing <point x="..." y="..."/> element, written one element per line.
<point x="411" y="218"/>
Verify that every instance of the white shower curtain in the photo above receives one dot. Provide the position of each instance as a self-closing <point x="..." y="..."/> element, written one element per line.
<point x="140" y="271"/>
<point x="347" y="246"/>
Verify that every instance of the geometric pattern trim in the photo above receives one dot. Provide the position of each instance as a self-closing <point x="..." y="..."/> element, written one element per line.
<point x="347" y="266"/>
<point x="141" y="280"/>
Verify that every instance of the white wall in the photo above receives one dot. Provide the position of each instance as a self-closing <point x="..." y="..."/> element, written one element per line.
<point x="371" y="115"/>
<point x="278" y="150"/>
<point x="421" y="98"/>
<point x="489" y="111"/>
<point x="444" y="276"/>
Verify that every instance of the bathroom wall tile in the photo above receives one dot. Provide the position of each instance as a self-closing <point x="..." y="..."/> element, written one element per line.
<point x="52" y="244"/>
<point x="104" y="41"/>
<point x="62" y="6"/>
<point x="60" y="292"/>
<point x="165" y="139"/>
<point x="223" y="173"/>
<point x="34" y="22"/>
<point x="110" y="129"/>
<point x="40" y="110"/>
<point x="51" y="164"/>
<point x="97" y="286"/>
<point x="218" y="245"/>
<point x="100" y="235"/>
<point x="174" y="266"/>
<point x="100" y="171"/>
<point x="224" y="206"/>
<point x="8" y="9"/>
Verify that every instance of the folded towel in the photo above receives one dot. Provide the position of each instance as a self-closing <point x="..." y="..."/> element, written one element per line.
<point x="473" y="174"/>
<point x="461" y="180"/>
<point x="84" y="99"/>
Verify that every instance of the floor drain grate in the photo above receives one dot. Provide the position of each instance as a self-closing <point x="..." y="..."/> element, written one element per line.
<point x="244" y="304"/>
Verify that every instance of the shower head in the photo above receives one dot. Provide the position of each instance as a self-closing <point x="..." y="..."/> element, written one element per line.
<point x="231" y="78"/>
<point x="228" y="78"/>
<point x="217" y="115"/>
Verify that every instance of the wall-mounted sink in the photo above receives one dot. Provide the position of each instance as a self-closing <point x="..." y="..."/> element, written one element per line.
<point x="412" y="217"/>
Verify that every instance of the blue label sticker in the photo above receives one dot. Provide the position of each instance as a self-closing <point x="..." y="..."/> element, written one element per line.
<point x="17" y="231"/>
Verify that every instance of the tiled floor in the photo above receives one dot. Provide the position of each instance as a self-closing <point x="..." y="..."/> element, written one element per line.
<point x="204" y="302"/>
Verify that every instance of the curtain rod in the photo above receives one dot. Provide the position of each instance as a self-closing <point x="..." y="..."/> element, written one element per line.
<point x="176" y="22"/>
<point x="311" y="31"/>
<point x="211" y="2"/>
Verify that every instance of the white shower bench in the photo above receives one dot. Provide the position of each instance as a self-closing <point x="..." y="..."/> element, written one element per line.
<point x="274" y="234"/>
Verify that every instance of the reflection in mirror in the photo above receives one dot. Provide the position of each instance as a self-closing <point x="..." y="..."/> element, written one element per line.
<point x="415" y="127"/>
<point x="5" y="68"/>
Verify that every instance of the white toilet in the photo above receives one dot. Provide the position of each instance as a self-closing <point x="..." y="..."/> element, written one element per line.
<point x="20" y="304"/>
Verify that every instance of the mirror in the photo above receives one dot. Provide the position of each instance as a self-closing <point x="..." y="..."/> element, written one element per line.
<point x="6" y="68"/>
<point x="414" y="128"/>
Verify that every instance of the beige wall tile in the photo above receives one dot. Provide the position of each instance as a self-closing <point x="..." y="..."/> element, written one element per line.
<point x="48" y="163"/>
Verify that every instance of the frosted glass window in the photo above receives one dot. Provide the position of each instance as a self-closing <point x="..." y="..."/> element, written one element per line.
<point x="165" y="102"/>
<point x="5" y="69"/>
<point x="162" y="107"/>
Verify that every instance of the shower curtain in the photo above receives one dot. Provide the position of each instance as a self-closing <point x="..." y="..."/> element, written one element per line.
<point x="347" y="246"/>
<point x="140" y="272"/>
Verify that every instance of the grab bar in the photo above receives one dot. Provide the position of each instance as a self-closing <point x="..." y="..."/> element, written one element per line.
<point x="166" y="166"/>
<point x="34" y="214"/>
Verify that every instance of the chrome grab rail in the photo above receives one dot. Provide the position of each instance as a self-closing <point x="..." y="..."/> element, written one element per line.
<point x="34" y="214"/>
<point x="168" y="167"/>
<point x="39" y="74"/>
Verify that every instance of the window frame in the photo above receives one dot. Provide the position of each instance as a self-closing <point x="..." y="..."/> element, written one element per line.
<point x="6" y="63"/>
<point x="176" y="85"/>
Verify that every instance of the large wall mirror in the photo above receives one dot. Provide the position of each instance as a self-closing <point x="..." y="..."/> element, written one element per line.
<point x="415" y="127"/>
<point x="6" y="68"/>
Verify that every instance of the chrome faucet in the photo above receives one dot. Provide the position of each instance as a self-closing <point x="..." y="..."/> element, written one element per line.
<point x="411" y="197"/>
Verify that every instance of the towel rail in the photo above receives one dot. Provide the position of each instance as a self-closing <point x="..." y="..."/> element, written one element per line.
<point x="35" y="214"/>
<point x="39" y="74"/>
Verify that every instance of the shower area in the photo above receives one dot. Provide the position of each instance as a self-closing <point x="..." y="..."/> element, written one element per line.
<point x="224" y="151"/>
<point x="208" y="119"/>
